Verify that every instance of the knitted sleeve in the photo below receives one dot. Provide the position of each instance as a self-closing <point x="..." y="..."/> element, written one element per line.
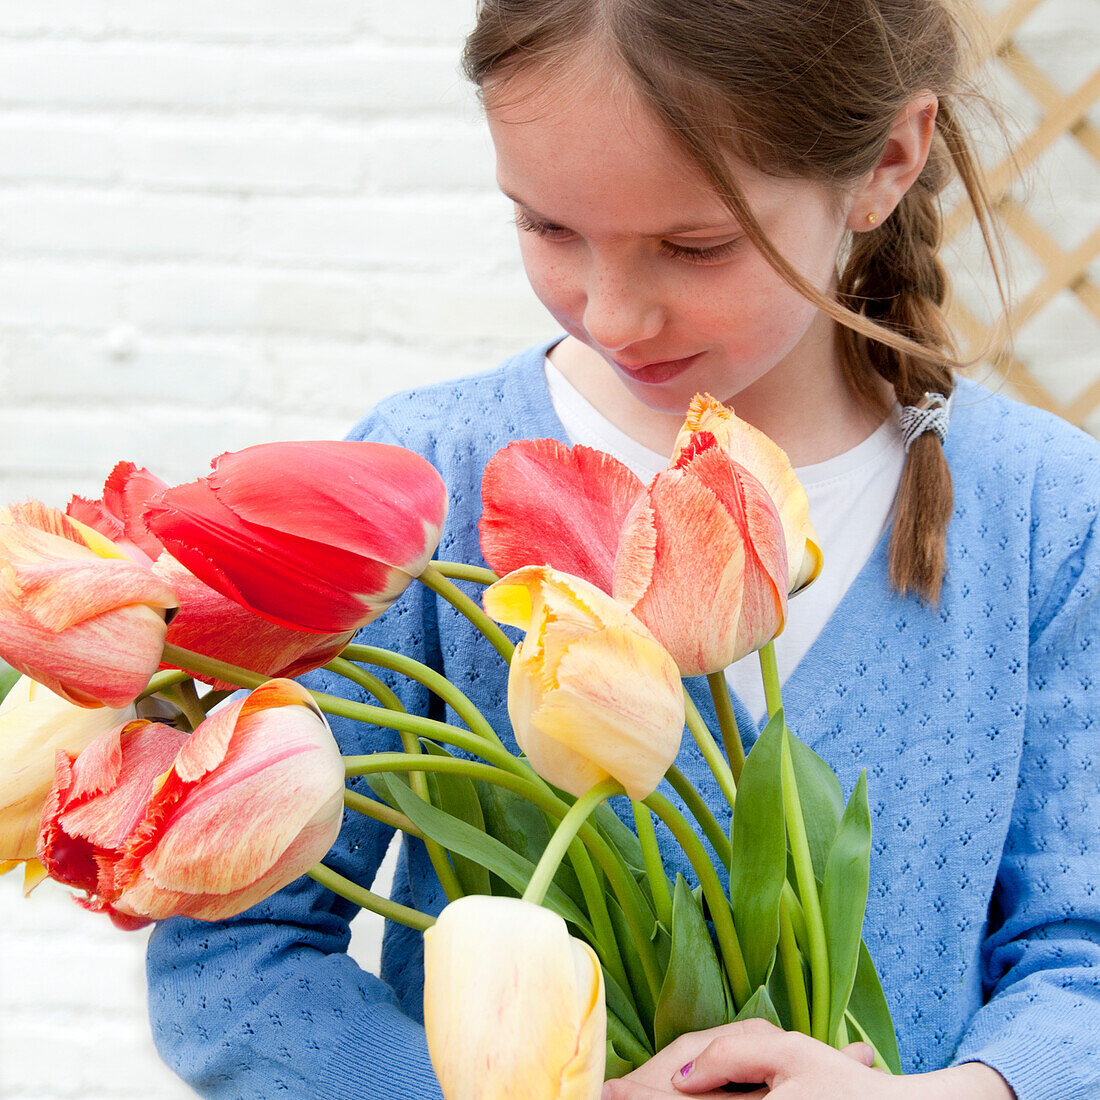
<point x="269" y="1004"/>
<point x="1041" y="958"/>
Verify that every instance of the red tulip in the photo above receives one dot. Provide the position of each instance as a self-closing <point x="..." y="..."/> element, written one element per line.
<point x="152" y="823"/>
<point x="76" y="614"/>
<point x="317" y="536"/>
<point x="207" y="622"/>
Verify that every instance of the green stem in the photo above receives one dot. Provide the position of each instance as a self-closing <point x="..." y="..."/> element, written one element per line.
<point x="459" y="702"/>
<point x="448" y="877"/>
<point x="693" y="800"/>
<point x="712" y="754"/>
<point x="655" y="871"/>
<point x="727" y="723"/>
<point x="458" y="599"/>
<point x="367" y="681"/>
<point x="790" y="958"/>
<point x="379" y="811"/>
<point x="554" y="852"/>
<point x="367" y="899"/>
<point x="159" y="681"/>
<point x="720" y="913"/>
<point x="807" y="893"/>
<point x="769" y="670"/>
<point x="184" y="696"/>
<point x="460" y="571"/>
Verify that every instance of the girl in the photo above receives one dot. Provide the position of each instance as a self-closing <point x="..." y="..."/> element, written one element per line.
<point x="741" y="198"/>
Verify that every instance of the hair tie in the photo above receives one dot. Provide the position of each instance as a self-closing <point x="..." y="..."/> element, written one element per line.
<point x="931" y="414"/>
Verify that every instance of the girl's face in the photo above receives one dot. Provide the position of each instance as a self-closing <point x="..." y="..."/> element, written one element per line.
<point x="636" y="257"/>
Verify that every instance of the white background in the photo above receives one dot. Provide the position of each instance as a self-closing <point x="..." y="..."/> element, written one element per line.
<point x="227" y="221"/>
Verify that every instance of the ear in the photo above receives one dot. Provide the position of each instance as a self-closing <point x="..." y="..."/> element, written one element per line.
<point x="902" y="161"/>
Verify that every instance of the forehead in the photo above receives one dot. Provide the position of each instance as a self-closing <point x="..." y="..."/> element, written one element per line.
<point x="580" y="143"/>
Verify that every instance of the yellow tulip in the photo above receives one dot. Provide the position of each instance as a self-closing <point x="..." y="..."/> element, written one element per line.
<point x="513" y="1005"/>
<point x="34" y="724"/>
<point x="591" y="693"/>
<point x="768" y="463"/>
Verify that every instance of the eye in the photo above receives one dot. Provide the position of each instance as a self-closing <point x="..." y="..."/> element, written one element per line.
<point x="711" y="254"/>
<point x="547" y="230"/>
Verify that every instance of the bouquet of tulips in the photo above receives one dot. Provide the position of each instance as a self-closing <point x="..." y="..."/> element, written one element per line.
<point x="152" y="798"/>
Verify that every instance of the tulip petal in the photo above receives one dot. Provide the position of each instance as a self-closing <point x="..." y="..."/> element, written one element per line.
<point x="718" y="539"/>
<point x="370" y="499"/>
<point x="512" y="1010"/>
<point x="221" y="628"/>
<point x="618" y="703"/>
<point x="126" y="492"/>
<point x="546" y="504"/>
<point x="768" y="463"/>
<point x="328" y="588"/>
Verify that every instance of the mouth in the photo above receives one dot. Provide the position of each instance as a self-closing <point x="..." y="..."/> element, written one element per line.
<point x="654" y="373"/>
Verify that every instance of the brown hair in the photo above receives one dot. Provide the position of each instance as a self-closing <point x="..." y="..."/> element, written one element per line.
<point x="808" y="91"/>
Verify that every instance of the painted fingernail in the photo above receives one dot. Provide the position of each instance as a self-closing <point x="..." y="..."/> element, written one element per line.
<point x="685" y="1070"/>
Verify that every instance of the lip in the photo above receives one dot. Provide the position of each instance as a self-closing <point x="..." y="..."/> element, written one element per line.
<point x="658" y="371"/>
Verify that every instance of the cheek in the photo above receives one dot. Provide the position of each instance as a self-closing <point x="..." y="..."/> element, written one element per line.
<point x="552" y="279"/>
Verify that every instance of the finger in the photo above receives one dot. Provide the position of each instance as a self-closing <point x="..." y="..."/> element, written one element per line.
<point x="755" y="1057"/>
<point x="860" y="1052"/>
<point x="625" y="1089"/>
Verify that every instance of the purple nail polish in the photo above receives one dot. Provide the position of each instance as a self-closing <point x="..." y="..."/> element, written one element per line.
<point x="685" y="1070"/>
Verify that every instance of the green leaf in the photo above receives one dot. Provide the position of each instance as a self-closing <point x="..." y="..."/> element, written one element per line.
<point x="759" y="1006"/>
<point x="615" y="1066"/>
<point x="8" y="676"/>
<point x="462" y="839"/>
<point x="759" y="864"/>
<point x="456" y="795"/>
<point x="522" y="827"/>
<point x="822" y="800"/>
<point x="693" y="995"/>
<point x="844" y="900"/>
<point x="620" y="837"/>
<point x="620" y="1003"/>
<point x="867" y="1007"/>
<point x="635" y="971"/>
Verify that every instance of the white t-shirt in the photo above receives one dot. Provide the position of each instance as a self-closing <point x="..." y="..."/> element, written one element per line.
<point x="851" y="497"/>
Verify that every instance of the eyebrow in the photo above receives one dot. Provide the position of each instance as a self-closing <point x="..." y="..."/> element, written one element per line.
<point x="673" y="231"/>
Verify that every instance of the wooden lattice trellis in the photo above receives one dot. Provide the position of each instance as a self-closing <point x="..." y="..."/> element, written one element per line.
<point x="1062" y="114"/>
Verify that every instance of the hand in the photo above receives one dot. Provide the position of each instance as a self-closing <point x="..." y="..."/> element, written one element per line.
<point x="661" y="1075"/>
<point x="791" y="1067"/>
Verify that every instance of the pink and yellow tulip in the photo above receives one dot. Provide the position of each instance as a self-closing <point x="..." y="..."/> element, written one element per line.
<point x="36" y="724"/>
<point x="591" y="693"/>
<point x="76" y="614"/>
<point x="768" y="463"/>
<point x="207" y="622"/>
<point x="513" y="1005"/>
<point x="320" y="536"/>
<point x="702" y="560"/>
<point x="152" y="823"/>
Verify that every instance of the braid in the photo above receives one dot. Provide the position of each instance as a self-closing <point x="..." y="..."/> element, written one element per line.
<point x="894" y="277"/>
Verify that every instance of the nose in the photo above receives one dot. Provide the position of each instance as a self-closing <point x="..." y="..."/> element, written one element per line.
<point x="621" y="308"/>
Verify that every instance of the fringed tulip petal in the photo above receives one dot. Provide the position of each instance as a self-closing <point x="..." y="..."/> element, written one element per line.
<point x="591" y="693"/>
<point x="36" y="724"/>
<point x="150" y="823"/>
<point x="126" y="492"/>
<point x="513" y="1006"/>
<point x="546" y="504"/>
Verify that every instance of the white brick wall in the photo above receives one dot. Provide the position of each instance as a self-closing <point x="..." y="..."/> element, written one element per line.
<point x="228" y="221"/>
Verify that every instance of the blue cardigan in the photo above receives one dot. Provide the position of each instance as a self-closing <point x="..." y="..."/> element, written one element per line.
<point x="977" y="721"/>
